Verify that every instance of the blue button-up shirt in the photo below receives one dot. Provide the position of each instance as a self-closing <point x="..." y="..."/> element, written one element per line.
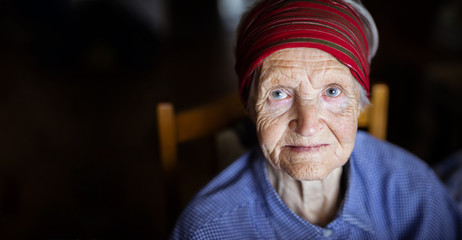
<point x="390" y="195"/>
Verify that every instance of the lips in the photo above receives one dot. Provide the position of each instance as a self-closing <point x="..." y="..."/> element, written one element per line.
<point x="309" y="148"/>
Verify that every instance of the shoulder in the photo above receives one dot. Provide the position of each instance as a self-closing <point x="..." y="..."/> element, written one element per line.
<point x="387" y="166"/>
<point x="229" y="193"/>
<point x="385" y="157"/>
<point x="403" y="190"/>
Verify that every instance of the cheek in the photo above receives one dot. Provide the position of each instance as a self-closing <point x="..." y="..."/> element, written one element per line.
<point x="341" y="117"/>
<point x="270" y="128"/>
<point x="271" y="119"/>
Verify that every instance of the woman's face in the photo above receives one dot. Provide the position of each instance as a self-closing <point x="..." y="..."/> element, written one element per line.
<point x="306" y="110"/>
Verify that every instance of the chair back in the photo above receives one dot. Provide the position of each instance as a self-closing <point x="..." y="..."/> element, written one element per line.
<point x="175" y="128"/>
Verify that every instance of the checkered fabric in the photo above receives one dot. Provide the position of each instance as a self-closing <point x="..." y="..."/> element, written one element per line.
<point x="390" y="195"/>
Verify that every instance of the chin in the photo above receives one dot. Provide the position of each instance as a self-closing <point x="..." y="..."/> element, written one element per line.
<point x="307" y="171"/>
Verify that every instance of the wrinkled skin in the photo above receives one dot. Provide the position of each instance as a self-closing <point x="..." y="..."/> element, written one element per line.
<point x="305" y="109"/>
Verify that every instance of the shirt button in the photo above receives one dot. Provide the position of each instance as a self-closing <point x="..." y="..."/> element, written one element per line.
<point x="327" y="232"/>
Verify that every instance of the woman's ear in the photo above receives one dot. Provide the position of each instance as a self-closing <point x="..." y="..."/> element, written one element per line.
<point x="250" y="108"/>
<point x="253" y="94"/>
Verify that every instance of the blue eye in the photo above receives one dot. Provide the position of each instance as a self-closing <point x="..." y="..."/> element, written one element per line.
<point x="332" y="92"/>
<point x="278" y="94"/>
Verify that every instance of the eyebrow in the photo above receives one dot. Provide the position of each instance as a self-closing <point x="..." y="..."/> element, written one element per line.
<point x="274" y="77"/>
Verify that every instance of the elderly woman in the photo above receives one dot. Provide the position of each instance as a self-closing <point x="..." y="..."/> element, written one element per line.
<point x="304" y="76"/>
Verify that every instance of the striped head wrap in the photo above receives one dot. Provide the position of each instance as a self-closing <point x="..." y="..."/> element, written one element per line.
<point x="329" y="25"/>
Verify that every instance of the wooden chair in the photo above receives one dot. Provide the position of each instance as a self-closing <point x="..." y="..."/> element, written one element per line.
<point x="176" y="128"/>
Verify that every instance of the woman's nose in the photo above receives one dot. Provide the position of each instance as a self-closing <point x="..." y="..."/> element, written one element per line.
<point x="307" y="121"/>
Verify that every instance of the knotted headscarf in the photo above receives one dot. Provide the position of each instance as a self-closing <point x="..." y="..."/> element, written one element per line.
<point x="329" y="25"/>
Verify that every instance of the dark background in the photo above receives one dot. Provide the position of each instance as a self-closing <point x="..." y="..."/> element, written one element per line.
<point x="79" y="82"/>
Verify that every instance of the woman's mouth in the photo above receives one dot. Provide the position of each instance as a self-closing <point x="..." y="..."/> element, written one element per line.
<point x="309" y="148"/>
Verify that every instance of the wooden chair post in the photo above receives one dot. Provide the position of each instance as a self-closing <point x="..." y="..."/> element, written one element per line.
<point x="166" y="124"/>
<point x="375" y="116"/>
<point x="378" y="124"/>
<point x="167" y="136"/>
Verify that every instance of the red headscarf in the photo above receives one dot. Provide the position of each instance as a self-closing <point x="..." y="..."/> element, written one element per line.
<point x="329" y="25"/>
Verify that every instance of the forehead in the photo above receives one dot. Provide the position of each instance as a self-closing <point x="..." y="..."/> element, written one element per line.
<point x="304" y="62"/>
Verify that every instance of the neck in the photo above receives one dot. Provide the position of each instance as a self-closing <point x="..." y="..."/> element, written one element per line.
<point x="315" y="201"/>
